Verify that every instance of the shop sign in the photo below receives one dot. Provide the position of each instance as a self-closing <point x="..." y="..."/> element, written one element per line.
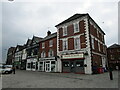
<point x="72" y="56"/>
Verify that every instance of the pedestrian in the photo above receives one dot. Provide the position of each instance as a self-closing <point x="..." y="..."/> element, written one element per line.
<point x="13" y="69"/>
<point x="110" y="73"/>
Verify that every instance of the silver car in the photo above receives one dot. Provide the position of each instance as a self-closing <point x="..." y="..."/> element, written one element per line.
<point x="5" y="69"/>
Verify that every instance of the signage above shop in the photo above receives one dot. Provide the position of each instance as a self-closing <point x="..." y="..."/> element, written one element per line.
<point x="72" y="56"/>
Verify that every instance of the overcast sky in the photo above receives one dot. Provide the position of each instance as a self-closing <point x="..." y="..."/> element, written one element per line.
<point x="21" y="19"/>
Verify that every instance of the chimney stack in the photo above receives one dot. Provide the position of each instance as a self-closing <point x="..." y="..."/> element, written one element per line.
<point x="48" y="33"/>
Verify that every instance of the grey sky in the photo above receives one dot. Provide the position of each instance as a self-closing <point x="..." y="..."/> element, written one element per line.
<point x="21" y="20"/>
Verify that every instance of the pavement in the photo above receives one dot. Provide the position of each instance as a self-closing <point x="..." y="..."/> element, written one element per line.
<point x="35" y="79"/>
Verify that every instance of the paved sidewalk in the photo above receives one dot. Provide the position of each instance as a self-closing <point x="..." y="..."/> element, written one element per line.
<point x="30" y="79"/>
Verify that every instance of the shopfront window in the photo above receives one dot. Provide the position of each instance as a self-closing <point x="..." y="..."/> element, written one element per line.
<point x="52" y="66"/>
<point x="79" y="64"/>
<point x="41" y="66"/>
<point x="66" y="64"/>
<point x="28" y="65"/>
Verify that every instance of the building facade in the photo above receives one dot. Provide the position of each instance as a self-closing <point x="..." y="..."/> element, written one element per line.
<point x="24" y="58"/>
<point x="18" y="56"/>
<point x="32" y="54"/>
<point x="10" y="56"/>
<point x="80" y="45"/>
<point x="48" y="53"/>
<point x="113" y="54"/>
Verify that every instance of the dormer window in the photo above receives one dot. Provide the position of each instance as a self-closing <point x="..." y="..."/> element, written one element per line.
<point x="64" y="30"/>
<point x="76" y="27"/>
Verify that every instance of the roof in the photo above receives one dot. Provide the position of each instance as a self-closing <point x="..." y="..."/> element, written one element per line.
<point x="50" y="36"/>
<point x="11" y="49"/>
<point x="37" y="39"/>
<point x="114" y="46"/>
<point x="76" y="16"/>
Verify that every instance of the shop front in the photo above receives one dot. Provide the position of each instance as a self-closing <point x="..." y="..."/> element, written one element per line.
<point x="32" y="64"/>
<point x="73" y="63"/>
<point x="23" y="65"/>
<point x="17" y="64"/>
<point x="47" y="64"/>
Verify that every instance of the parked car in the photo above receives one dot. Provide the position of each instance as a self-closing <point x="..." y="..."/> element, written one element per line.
<point x="5" y="69"/>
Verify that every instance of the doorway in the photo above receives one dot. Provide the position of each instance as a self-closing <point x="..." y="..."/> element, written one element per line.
<point x="47" y="67"/>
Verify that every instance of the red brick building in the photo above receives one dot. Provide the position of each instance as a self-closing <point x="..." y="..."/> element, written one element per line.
<point x="81" y="45"/>
<point x="48" y="53"/>
<point x="113" y="54"/>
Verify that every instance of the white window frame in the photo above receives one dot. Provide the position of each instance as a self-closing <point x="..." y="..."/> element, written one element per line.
<point x="92" y="42"/>
<point x="78" y="29"/>
<point x="99" y="46"/>
<point x="65" y="31"/>
<point x="50" y="43"/>
<point x="43" y="45"/>
<point x="97" y="33"/>
<point x="77" y="44"/>
<point x="51" y="53"/>
<point x="65" y="42"/>
<point x="43" y="54"/>
<point x="111" y="56"/>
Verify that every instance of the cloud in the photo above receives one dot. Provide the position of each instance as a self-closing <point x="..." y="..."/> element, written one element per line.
<point x="23" y="19"/>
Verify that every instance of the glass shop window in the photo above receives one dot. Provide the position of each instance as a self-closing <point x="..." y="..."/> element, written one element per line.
<point x="66" y="64"/>
<point x="79" y="64"/>
<point x="28" y="65"/>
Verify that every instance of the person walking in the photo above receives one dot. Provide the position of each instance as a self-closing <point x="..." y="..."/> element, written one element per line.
<point x="110" y="73"/>
<point x="13" y="69"/>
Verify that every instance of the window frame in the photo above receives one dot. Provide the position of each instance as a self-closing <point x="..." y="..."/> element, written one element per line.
<point x="65" y="31"/>
<point x="50" y="43"/>
<point x="77" y="45"/>
<point x="65" y="42"/>
<point x="93" y="42"/>
<point x="76" y="25"/>
<point x="43" y="44"/>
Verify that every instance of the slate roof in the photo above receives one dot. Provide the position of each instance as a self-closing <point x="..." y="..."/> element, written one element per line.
<point x="114" y="46"/>
<point x="76" y="16"/>
<point x="50" y="36"/>
<point x="11" y="49"/>
<point x="37" y="39"/>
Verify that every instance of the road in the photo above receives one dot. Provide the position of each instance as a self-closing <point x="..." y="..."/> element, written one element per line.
<point x="35" y="79"/>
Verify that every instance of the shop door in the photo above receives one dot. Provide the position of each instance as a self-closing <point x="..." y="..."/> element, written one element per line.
<point x="79" y="66"/>
<point x="47" y="67"/>
<point x="72" y="66"/>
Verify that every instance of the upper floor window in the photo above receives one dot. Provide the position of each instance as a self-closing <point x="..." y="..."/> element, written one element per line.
<point x="43" y="45"/>
<point x="99" y="46"/>
<point x="77" y="43"/>
<point x="43" y="54"/>
<point x="50" y="54"/>
<point x="50" y="43"/>
<point x="65" y="45"/>
<point x="102" y="36"/>
<point x="64" y="30"/>
<point x="118" y="50"/>
<point x="92" y="41"/>
<point x="112" y="57"/>
<point x="76" y="27"/>
<point x="97" y="33"/>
